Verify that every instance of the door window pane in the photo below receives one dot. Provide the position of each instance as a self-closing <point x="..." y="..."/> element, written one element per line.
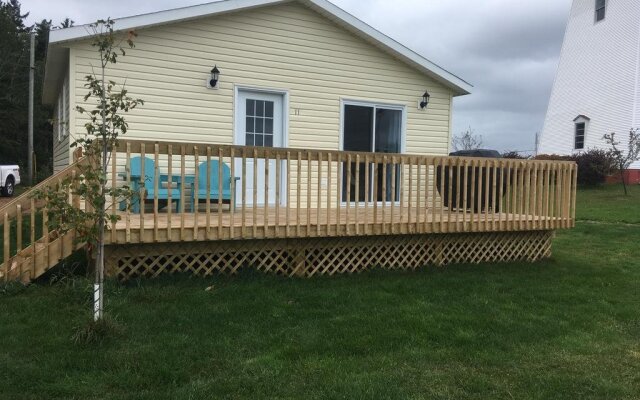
<point x="251" y="107"/>
<point x="259" y="108"/>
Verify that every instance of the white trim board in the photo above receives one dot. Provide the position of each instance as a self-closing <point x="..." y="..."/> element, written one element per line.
<point x="59" y="37"/>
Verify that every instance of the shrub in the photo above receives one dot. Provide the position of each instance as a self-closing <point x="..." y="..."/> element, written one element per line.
<point x="514" y="155"/>
<point x="593" y="165"/>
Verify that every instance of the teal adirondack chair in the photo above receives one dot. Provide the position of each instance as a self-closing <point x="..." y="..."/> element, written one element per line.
<point x="226" y="196"/>
<point x="146" y="180"/>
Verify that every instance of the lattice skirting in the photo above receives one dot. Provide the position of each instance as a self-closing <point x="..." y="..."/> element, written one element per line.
<point x="325" y="256"/>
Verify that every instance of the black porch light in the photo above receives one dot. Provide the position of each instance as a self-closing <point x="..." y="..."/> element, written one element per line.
<point x="215" y="77"/>
<point x="425" y="100"/>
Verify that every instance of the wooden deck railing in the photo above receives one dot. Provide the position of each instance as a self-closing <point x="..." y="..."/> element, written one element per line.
<point x="301" y="193"/>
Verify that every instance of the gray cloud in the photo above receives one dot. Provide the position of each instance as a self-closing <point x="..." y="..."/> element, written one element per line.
<point x="507" y="49"/>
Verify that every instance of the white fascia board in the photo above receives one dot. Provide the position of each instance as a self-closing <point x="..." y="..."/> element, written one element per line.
<point x="161" y="17"/>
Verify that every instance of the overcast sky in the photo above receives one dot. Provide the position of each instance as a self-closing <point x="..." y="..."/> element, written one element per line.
<point x="507" y="49"/>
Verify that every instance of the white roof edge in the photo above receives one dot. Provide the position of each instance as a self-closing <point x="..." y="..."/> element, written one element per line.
<point x="459" y="86"/>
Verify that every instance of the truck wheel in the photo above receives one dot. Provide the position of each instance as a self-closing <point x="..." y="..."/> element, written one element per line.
<point x="9" y="187"/>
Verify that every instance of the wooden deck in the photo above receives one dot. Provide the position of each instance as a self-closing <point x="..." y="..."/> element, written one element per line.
<point x="269" y="223"/>
<point x="339" y="211"/>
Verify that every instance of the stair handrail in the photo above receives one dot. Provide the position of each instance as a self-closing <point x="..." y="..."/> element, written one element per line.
<point x="52" y="180"/>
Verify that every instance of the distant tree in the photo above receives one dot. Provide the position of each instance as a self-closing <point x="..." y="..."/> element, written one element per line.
<point x="67" y="23"/>
<point x="624" y="159"/>
<point x="14" y="90"/>
<point x="468" y="140"/>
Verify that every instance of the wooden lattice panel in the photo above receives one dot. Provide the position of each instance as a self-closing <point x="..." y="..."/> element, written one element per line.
<point x="326" y="256"/>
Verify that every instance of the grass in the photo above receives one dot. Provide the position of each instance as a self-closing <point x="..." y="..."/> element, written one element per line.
<point x="568" y="327"/>
<point x="609" y="204"/>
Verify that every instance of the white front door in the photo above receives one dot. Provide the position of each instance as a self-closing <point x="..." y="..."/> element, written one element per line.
<point x="259" y="122"/>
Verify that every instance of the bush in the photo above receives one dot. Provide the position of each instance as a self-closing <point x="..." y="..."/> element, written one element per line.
<point x="593" y="165"/>
<point x="514" y="155"/>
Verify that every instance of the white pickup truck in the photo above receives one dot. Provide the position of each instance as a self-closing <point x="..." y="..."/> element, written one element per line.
<point x="9" y="178"/>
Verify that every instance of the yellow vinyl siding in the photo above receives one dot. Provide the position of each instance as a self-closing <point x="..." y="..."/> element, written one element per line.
<point x="287" y="47"/>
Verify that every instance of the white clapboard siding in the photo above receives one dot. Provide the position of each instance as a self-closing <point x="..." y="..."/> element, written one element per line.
<point x="597" y="77"/>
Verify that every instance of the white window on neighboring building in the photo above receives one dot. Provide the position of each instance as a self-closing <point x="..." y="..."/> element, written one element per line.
<point x="580" y="131"/>
<point x="601" y="9"/>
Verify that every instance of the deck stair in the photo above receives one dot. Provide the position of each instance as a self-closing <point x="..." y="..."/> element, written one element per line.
<point x="24" y="261"/>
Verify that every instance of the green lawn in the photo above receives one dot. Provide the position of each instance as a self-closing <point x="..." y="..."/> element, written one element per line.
<point x="566" y="328"/>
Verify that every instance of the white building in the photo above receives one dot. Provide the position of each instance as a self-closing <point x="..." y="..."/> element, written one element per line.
<point x="596" y="89"/>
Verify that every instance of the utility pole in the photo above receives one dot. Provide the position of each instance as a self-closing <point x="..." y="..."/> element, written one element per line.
<point x="31" y="90"/>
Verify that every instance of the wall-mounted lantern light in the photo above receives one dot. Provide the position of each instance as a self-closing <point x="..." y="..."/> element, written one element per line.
<point x="425" y="100"/>
<point x="215" y="78"/>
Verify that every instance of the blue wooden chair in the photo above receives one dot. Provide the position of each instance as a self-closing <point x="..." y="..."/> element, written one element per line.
<point x="143" y="172"/>
<point x="226" y="196"/>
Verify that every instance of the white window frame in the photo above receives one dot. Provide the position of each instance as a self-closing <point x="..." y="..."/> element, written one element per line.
<point x="374" y="105"/>
<point x="580" y="120"/>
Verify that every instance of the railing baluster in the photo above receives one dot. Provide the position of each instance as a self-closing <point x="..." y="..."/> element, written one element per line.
<point x="348" y="194"/>
<point x="357" y="195"/>
<point x="196" y="192"/>
<point x="220" y="189"/>
<point x="443" y="173"/>
<point x="319" y="194"/>
<point x="384" y="194"/>
<point x="207" y="199"/>
<point x="143" y="189"/>
<point x="127" y="234"/>
<point x="501" y="194"/>
<point x="393" y="193"/>
<point x="298" y="191"/>
<point x="479" y="194"/>
<point x="156" y="187"/>
<point x="494" y="193"/>
<point x="375" y="172"/>
<point x="434" y="191"/>
<point x="254" y="222"/>
<point x="427" y="163"/>
<point x="278" y="188"/>
<point x="267" y="207"/>
<point x="114" y="184"/>
<point x="458" y="203"/>
<point x="465" y="194"/>
<point x="182" y="191"/>
<point x="19" y="217"/>
<point x="288" y="207"/>
<point x="7" y="245"/>
<point x="339" y="193"/>
<point x="367" y="193"/>
<point x="418" y="195"/>
<point x="308" y="234"/>
<point x="410" y="225"/>
<point x="329" y="186"/>
<point x="473" y="196"/>
<point x="487" y="192"/>
<point x="507" y="197"/>
<point x="169" y="190"/>
<point x="574" y="191"/>
<point x="244" y="192"/>
<point x="232" y="195"/>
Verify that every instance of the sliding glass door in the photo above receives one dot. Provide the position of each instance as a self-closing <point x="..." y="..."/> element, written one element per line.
<point x="371" y="128"/>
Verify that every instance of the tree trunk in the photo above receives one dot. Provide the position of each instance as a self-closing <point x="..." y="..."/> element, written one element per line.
<point x="624" y="183"/>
